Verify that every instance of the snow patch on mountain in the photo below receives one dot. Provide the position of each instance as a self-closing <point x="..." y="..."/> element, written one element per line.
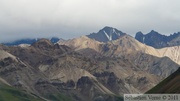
<point x="143" y="39"/>
<point x="108" y="36"/>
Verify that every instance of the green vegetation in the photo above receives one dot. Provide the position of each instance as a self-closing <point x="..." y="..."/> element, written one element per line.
<point x="59" y="97"/>
<point x="108" y="97"/>
<point x="8" y="93"/>
<point x="119" y="98"/>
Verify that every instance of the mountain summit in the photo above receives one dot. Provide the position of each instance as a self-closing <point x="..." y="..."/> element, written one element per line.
<point x="106" y="34"/>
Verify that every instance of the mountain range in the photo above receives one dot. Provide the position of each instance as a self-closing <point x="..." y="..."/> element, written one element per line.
<point x="158" y="40"/>
<point x="98" y="67"/>
<point x="122" y="45"/>
<point x="153" y="38"/>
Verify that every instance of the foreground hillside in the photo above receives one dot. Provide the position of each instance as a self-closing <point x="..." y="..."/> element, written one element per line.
<point x="169" y="85"/>
<point x="9" y="93"/>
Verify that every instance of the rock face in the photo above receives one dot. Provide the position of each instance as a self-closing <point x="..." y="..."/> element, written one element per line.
<point x="157" y="40"/>
<point x="106" y="34"/>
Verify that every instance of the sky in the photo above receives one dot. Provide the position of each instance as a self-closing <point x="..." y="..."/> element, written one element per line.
<point x="73" y="18"/>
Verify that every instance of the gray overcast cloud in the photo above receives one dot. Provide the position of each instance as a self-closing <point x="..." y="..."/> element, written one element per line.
<point x="72" y="18"/>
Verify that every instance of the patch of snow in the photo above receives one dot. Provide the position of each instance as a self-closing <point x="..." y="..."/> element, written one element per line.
<point x="143" y="39"/>
<point x="109" y="37"/>
<point x="24" y="45"/>
<point x="114" y="31"/>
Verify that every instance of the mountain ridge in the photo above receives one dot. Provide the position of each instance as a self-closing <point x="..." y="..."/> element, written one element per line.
<point x="123" y="45"/>
<point x="106" y="34"/>
<point x="158" y="40"/>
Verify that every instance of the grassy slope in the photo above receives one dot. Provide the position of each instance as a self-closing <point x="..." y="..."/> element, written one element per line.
<point x="8" y="93"/>
<point x="170" y="85"/>
<point x="59" y="97"/>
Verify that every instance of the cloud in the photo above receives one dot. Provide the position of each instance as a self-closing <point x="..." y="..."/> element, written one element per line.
<point x="72" y="18"/>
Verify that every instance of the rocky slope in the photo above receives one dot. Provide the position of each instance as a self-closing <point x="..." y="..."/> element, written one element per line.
<point x="128" y="45"/>
<point x="122" y="46"/>
<point x="169" y="85"/>
<point x="18" y="74"/>
<point x="52" y="71"/>
<point x="127" y="50"/>
<point x="157" y="40"/>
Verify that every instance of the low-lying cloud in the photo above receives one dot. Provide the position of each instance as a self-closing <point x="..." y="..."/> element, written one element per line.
<point x="72" y="18"/>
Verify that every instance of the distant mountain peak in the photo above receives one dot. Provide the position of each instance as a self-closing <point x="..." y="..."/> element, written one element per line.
<point x="106" y="34"/>
<point x="43" y="40"/>
<point x="139" y="33"/>
<point x="43" y="43"/>
<point x="107" y="27"/>
<point x="152" y="32"/>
